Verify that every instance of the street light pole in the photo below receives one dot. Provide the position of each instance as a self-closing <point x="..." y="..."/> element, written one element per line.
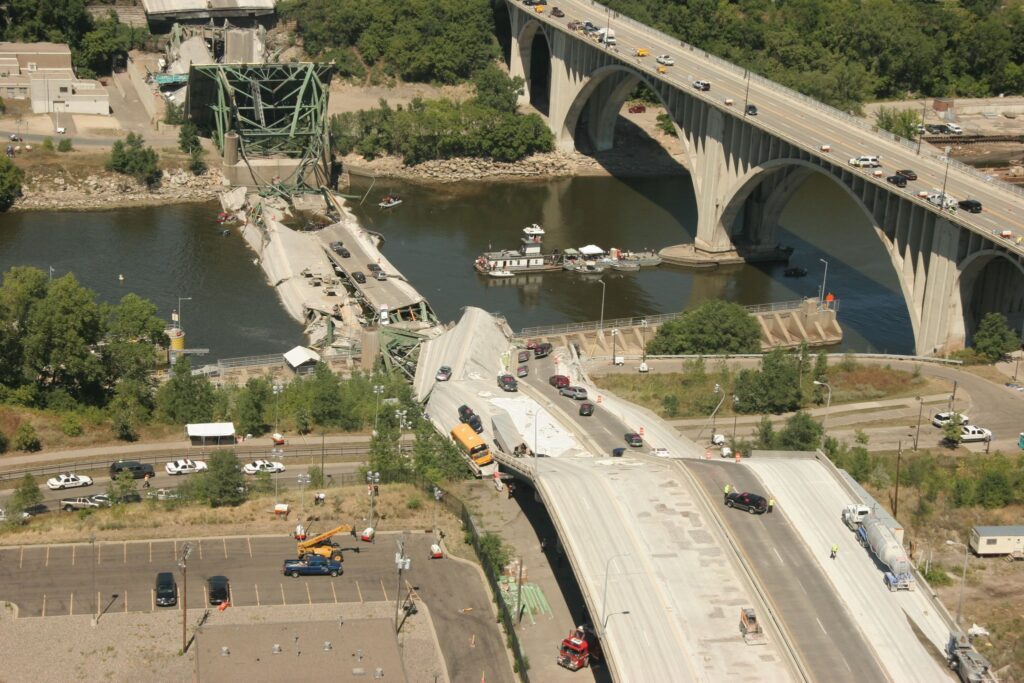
<point x="828" y="404"/>
<point x="377" y="390"/>
<point x="920" y="410"/>
<point x="735" y="416"/>
<point x="824" y="278"/>
<point x="277" y="407"/>
<point x="711" y="418"/>
<point x="643" y="332"/>
<point x="963" y="580"/>
<point x="942" y="200"/>
<point x="95" y="593"/>
<point x="604" y="592"/>
<point x="186" y="550"/>
<point x="920" y="135"/>
<point x="601" y="324"/>
<point x="615" y="333"/>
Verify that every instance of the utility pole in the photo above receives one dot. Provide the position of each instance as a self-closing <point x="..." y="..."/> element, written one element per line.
<point x="401" y="564"/>
<point x="896" y="502"/>
<point x="920" y="135"/>
<point x="302" y="479"/>
<point x="519" y="593"/>
<point x="920" y="410"/>
<point x="186" y="550"/>
<point x="95" y="593"/>
<point x="323" y="447"/>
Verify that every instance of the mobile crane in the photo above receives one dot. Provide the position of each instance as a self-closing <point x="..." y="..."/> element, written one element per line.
<point x="321" y="544"/>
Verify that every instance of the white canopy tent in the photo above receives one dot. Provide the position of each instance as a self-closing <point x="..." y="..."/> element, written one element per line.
<point x="592" y="250"/>
<point x="211" y="433"/>
<point x="300" y="356"/>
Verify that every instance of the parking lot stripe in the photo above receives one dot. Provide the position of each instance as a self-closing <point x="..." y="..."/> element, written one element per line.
<point x="360" y="591"/>
<point x="308" y="595"/>
<point x="283" y="601"/>
<point x="225" y="548"/>
<point x="126" y="602"/>
<point x="385" y="590"/>
<point x="256" y="586"/>
<point x="248" y="540"/>
<point x="99" y="553"/>
<point x="334" y="593"/>
<point x="152" y="600"/>
<point x="151" y="552"/>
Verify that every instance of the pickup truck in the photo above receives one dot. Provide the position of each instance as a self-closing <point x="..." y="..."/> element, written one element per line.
<point x="81" y="503"/>
<point x="314" y="566"/>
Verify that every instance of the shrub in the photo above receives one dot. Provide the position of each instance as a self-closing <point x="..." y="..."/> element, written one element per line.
<point x="131" y="157"/>
<point x="71" y="425"/>
<point x="414" y="503"/>
<point x="26" y="439"/>
<point x="196" y="163"/>
<point x="3" y="442"/>
<point x="174" y="114"/>
<point x="11" y="178"/>
<point x="994" y="338"/>
<point x="64" y="145"/>
<point x="666" y="126"/>
<point x="48" y="144"/>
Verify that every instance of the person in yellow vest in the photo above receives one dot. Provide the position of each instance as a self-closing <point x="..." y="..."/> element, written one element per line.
<point x="725" y="492"/>
<point x="771" y="504"/>
<point x="835" y="549"/>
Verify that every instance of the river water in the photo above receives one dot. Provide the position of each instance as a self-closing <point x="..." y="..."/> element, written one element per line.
<point x="433" y="237"/>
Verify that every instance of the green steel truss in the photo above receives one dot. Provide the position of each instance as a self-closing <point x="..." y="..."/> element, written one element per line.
<point x="276" y="109"/>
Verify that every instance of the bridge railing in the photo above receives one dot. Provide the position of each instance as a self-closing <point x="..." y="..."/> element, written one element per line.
<point x="636" y="321"/>
<point x="810" y="101"/>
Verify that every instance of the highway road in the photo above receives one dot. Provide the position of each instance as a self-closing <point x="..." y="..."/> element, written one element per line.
<point x="808" y="125"/>
<point x="58" y="580"/>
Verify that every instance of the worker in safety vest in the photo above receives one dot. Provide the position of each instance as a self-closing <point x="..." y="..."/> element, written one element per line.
<point x="771" y="504"/>
<point x="725" y="492"/>
<point x="835" y="549"/>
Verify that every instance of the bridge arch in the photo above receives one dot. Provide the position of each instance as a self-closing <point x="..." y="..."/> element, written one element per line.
<point x="990" y="281"/>
<point x="534" y="64"/>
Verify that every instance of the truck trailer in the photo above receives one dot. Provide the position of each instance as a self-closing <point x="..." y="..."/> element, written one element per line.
<point x="873" y="534"/>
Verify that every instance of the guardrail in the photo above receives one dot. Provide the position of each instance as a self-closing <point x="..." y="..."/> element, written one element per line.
<point x="613" y="323"/>
<point x="821" y="106"/>
<point x="757" y="356"/>
<point x="282" y="453"/>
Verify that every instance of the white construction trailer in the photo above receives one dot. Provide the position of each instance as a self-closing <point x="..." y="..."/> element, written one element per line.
<point x="998" y="540"/>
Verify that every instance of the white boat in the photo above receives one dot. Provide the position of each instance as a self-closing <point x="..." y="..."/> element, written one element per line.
<point x="533" y="231"/>
<point x="389" y="201"/>
<point x="626" y="266"/>
<point x="501" y="273"/>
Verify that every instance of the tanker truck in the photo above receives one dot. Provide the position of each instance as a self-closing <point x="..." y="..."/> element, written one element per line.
<point x="873" y="534"/>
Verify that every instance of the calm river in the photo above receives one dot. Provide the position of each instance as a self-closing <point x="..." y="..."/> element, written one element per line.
<point x="433" y="237"/>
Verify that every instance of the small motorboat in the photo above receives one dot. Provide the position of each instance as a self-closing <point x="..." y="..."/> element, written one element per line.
<point x="501" y="273"/>
<point x="389" y="200"/>
<point x="795" y="271"/>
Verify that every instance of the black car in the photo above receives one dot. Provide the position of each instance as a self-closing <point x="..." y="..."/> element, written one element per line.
<point x="751" y="502"/>
<point x="475" y="423"/>
<point x="359" y="277"/>
<point x="635" y="440"/>
<point x="465" y="412"/>
<point x="542" y="350"/>
<point x="586" y="409"/>
<point x="138" y="469"/>
<point x="336" y="247"/>
<point x="166" y="590"/>
<point x="617" y="452"/>
<point x="218" y="590"/>
<point x="344" y="253"/>
<point x="373" y="267"/>
<point x="557" y="13"/>
<point x="907" y="173"/>
<point x="751" y="110"/>
<point x="970" y="205"/>
<point x="508" y="383"/>
<point x="897" y="180"/>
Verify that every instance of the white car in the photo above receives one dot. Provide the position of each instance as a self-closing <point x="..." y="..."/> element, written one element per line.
<point x="68" y="481"/>
<point x="257" y="466"/>
<point x="661" y="453"/>
<point x="185" y="466"/>
<point x="665" y="60"/>
<point x="940" y="419"/>
<point x="945" y="201"/>
<point x="970" y="433"/>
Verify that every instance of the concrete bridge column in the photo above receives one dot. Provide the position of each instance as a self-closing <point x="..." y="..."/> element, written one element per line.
<point x="936" y="290"/>
<point x="712" y="179"/>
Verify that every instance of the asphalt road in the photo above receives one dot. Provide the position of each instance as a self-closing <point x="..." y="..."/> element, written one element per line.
<point x="829" y="641"/>
<point x="59" y="580"/>
<point x="794" y="119"/>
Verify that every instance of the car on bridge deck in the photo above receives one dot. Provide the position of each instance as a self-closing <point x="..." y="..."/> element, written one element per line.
<point x="751" y="502"/>
<point x="559" y="381"/>
<point x="542" y="350"/>
<point x="557" y="13"/>
<point x="586" y="409"/>
<point x="702" y="85"/>
<point x="907" y="173"/>
<point x="359" y="277"/>
<point x="970" y="205"/>
<point x="444" y="373"/>
<point x="751" y="110"/>
<point x="897" y="180"/>
<point x="665" y="60"/>
<point x="865" y="161"/>
<point x="577" y="393"/>
<point x="344" y="253"/>
<point x="633" y="439"/>
<point x="507" y="382"/>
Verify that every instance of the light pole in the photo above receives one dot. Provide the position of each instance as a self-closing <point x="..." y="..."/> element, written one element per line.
<point x="372" y="481"/>
<point x="920" y="410"/>
<point x="377" y="390"/>
<point x="604" y="592"/>
<point x="920" y="135"/>
<point x="824" y="278"/>
<point x="735" y="416"/>
<point x="401" y="564"/>
<point x="942" y="200"/>
<point x="643" y="332"/>
<point x="615" y="333"/>
<point x="302" y="479"/>
<point x="277" y="407"/>
<point x="746" y="95"/>
<point x="828" y="404"/>
<point x="711" y="418"/>
<point x="601" y="324"/>
<point x="186" y="550"/>
<point x="1020" y="352"/>
<point x="963" y="580"/>
<point x="180" y="299"/>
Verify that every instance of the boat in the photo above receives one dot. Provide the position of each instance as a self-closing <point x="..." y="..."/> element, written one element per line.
<point x="389" y="200"/>
<point x="501" y="273"/>
<point x="589" y="267"/>
<point x="626" y="266"/>
<point x="795" y="271"/>
<point x="527" y="259"/>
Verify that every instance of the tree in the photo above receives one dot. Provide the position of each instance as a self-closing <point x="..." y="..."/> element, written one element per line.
<point x="951" y="431"/>
<point x="495" y="90"/>
<point x="26" y="438"/>
<point x="132" y="405"/>
<point x="196" y="163"/>
<point x="11" y="178"/>
<point x="902" y="122"/>
<point x="765" y="433"/>
<point x="174" y="114"/>
<point x="121" y="487"/>
<point x="222" y="483"/>
<point x="185" y="398"/>
<point x="26" y="494"/>
<point x="188" y="138"/>
<point x="800" y="433"/>
<point x="994" y="338"/>
<point x="134" y="333"/>
<point x="65" y="145"/>
<point x="62" y="331"/>
<point x="251" y="406"/>
<point x="715" y="326"/>
<point x="325" y="396"/>
<point x="102" y="47"/>
<point x="384" y="456"/>
<point x="771" y="389"/>
<point x="131" y="157"/>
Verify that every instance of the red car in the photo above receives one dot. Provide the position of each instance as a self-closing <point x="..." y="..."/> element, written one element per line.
<point x="637" y="109"/>
<point x="558" y="381"/>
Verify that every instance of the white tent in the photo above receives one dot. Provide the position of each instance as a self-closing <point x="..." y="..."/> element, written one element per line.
<point x="211" y="433"/>
<point x="301" y="355"/>
<point x="591" y="250"/>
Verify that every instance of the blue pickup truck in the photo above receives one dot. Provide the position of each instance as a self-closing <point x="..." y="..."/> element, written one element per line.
<point x="313" y="566"/>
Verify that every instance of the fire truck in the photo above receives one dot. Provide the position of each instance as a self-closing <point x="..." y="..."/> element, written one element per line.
<point x="578" y="648"/>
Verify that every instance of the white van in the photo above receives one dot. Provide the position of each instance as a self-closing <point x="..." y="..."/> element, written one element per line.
<point x="955" y="129"/>
<point x="866" y="161"/>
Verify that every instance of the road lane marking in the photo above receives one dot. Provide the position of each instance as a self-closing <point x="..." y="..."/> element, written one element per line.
<point x="151" y="552"/>
<point x="309" y="596"/>
<point x="283" y="601"/>
<point x="821" y="626"/>
<point x="843" y="657"/>
<point x="126" y="553"/>
<point x="44" y="604"/>
<point x="73" y="549"/>
<point x="248" y="540"/>
<point x="22" y="558"/>
<point x="71" y="608"/>
<point x="385" y="590"/>
<point x="47" y="563"/>
<point x="776" y="551"/>
<point x="99" y="553"/>
<point x="334" y="593"/>
<point x="225" y="548"/>
<point x="200" y="544"/>
<point x="126" y="602"/>
<point x="256" y="586"/>
<point x="360" y="591"/>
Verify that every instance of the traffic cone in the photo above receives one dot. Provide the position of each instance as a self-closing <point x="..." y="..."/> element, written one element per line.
<point x="738" y="456"/>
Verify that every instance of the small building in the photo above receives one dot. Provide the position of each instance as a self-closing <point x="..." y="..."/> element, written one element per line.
<point x="302" y="359"/>
<point x="998" y="540"/>
<point x="211" y="433"/>
<point x="169" y="11"/>
<point x="43" y="73"/>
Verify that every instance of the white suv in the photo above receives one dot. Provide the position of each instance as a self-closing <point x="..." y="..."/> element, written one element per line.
<point x="865" y="161"/>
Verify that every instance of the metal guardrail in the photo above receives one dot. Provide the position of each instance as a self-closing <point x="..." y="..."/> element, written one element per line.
<point x="757" y="356"/>
<point x="613" y="323"/>
<point x="282" y="453"/>
<point x="821" y="106"/>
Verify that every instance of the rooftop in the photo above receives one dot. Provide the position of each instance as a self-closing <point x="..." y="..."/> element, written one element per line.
<point x="171" y="7"/>
<point x="1005" y="530"/>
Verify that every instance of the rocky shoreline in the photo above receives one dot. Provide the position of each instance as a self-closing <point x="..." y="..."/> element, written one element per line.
<point x="106" y="190"/>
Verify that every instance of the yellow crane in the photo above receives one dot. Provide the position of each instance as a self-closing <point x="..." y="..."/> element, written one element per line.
<point x="321" y="544"/>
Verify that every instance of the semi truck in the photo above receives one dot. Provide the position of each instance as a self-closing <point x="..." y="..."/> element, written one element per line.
<point x="873" y="534"/>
